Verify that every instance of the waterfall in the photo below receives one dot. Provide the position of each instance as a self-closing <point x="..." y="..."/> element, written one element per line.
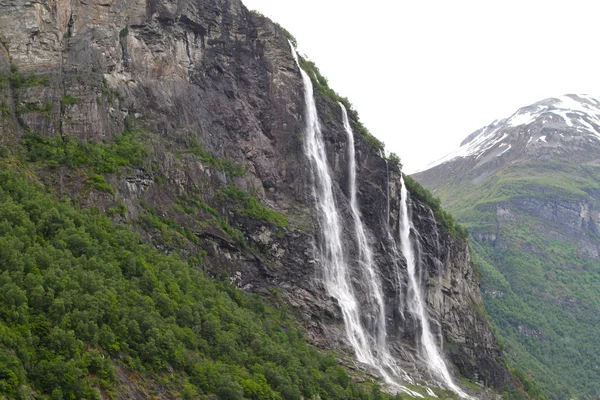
<point x="416" y="304"/>
<point x="387" y="189"/>
<point x="365" y="254"/>
<point x="393" y="246"/>
<point x="335" y="266"/>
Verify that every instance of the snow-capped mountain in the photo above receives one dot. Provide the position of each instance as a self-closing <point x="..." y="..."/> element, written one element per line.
<point x="558" y="125"/>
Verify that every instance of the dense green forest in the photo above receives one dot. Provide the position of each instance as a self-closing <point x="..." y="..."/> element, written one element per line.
<point x="82" y="301"/>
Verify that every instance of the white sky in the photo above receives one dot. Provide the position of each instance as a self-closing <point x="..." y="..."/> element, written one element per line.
<point x="425" y="74"/>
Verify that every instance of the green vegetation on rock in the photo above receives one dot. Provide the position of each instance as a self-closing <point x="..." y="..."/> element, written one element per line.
<point x="321" y="86"/>
<point x="225" y="164"/>
<point x="35" y="107"/>
<point x="69" y="99"/>
<point x="252" y="208"/>
<point x="127" y="149"/>
<point x="445" y="218"/>
<point x="19" y="81"/>
<point x="4" y="109"/>
<point x="394" y="159"/>
<point x="287" y="34"/>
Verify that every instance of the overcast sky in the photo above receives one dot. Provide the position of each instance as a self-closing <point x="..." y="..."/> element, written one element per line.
<point x="423" y="75"/>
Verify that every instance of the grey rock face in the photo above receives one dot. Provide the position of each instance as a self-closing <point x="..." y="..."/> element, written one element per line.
<point x="211" y="74"/>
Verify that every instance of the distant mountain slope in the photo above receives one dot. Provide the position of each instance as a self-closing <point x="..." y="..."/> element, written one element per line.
<point x="528" y="188"/>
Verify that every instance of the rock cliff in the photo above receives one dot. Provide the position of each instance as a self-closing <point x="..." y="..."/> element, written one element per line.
<point x="214" y="92"/>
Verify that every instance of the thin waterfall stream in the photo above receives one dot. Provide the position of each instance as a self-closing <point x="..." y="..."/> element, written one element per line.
<point x="393" y="246"/>
<point x="416" y="303"/>
<point x="365" y="254"/>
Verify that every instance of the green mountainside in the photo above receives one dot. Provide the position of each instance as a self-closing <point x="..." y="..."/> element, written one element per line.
<point x="158" y="229"/>
<point x="84" y="303"/>
<point x="533" y="215"/>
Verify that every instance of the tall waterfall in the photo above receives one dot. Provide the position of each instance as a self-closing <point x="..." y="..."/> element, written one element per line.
<point x="394" y="248"/>
<point x="365" y="254"/>
<point x="336" y="274"/>
<point x="387" y="188"/>
<point x="335" y="266"/>
<point x="415" y="299"/>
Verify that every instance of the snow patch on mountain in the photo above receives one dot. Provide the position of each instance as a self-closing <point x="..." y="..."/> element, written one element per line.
<point x="483" y="142"/>
<point x="505" y="150"/>
<point x="524" y="118"/>
<point x="580" y="114"/>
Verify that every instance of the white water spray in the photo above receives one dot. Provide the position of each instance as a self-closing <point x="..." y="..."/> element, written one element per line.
<point x="434" y="360"/>
<point x="335" y="266"/>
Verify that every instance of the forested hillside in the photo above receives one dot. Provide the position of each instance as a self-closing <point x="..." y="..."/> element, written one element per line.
<point x="88" y="311"/>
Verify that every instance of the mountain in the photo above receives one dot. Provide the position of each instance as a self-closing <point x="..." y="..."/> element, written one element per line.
<point x="528" y="189"/>
<point x="188" y="210"/>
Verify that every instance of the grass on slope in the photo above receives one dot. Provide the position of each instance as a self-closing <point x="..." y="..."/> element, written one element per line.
<point x="79" y="295"/>
<point x="126" y="150"/>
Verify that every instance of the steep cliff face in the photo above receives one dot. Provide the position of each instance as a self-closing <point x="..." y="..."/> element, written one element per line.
<point x="215" y="94"/>
<point x="453" y="295"/>
<point x="527" y="188"/>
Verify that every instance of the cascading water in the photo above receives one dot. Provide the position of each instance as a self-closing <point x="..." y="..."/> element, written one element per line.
<point x="365" y="254"/>
<point x="335" y="266"/>
<point x="416" y="304"/>
<point x="337" y="279"/>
